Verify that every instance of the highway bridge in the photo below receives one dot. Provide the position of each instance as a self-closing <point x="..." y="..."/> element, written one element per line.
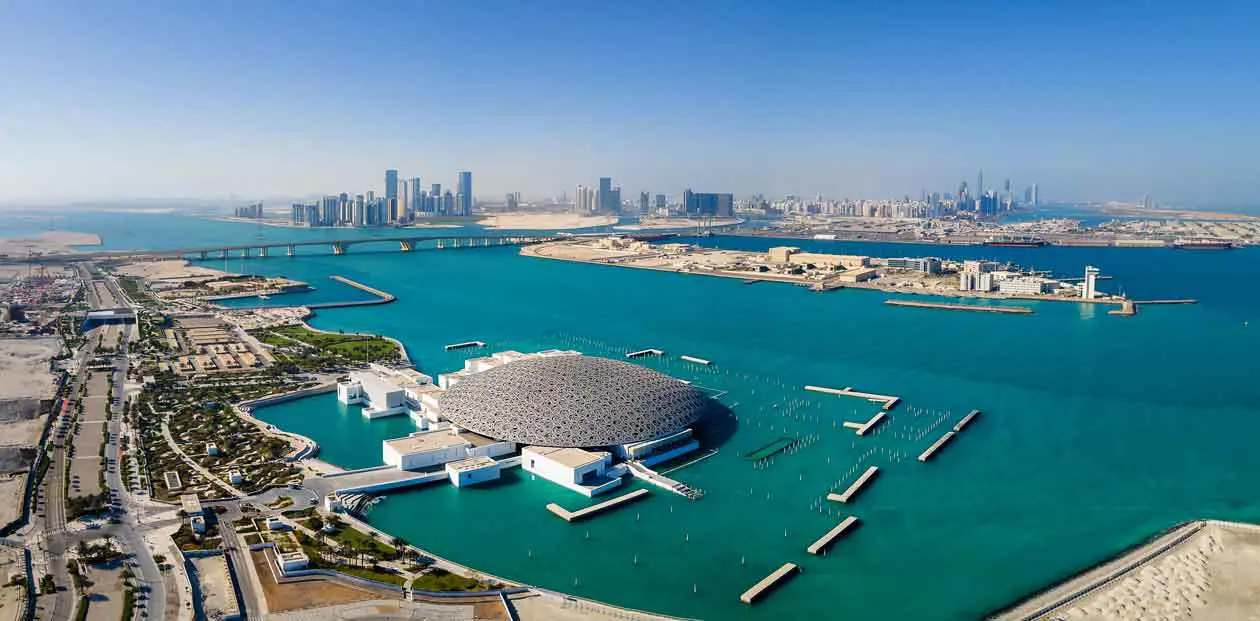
<point x="337" y="246"/>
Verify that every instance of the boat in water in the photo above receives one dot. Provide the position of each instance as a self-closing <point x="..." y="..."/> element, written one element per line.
<point x="1016" y="241"/>
<point x="1202" y="244"/>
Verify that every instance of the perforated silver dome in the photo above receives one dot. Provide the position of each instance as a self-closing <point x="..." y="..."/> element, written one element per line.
<point x="572" y="401"/>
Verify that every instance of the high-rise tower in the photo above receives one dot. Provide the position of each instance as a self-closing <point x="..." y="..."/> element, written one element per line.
<point x="465" y="193"/>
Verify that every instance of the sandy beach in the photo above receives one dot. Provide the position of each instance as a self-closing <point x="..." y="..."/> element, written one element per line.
<point x="675" y="223"/>
<point x="1205" y="570"/>
<point x="48" y="242"/>
<point x="544" y="221"/>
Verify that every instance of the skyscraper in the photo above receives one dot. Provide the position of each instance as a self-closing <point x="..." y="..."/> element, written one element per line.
<point x="980" y="183"/>
<point x="391" y="185"/>
<point x="417" y="196"/>
<point x="465" y="193"/>
<point x="1036" y="197"/>
<point x="604" y="202"/>
<point x="644" y="200"/>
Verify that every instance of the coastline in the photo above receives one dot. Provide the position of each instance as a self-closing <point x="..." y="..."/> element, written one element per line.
<point x="1089" y="590"/>
<point x="530" y="251"/>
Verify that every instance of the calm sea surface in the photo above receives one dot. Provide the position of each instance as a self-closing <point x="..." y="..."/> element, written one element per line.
<point x="1097" y="431"/>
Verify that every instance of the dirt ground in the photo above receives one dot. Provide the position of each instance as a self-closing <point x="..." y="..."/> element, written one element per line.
<point x="24" y="368"/>
<point x="170" y="268"/>
<point x="216" y="589"/>
<point x="313" y="592"/>
<point x="106" y="592"/>
<point x="11" y="491"/>
<point x="10" y="596"/>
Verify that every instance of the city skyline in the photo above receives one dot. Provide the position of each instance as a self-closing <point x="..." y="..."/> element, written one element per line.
<point x="1094" y="102"/>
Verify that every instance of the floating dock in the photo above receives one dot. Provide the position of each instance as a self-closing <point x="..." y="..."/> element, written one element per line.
<point x="573" y="516"/>
<point x="751" y="596"/>
<point x="871" y="424"/>
<point x="889" y="401"/>
<point x="465" y="345"/>
<point x="856" y="487"/>
<point x="770" y="449"/>
<point x="848" y="424"/>
<point x="962" y="424"/>
<point x="645" y="352"/>
<point x="695" y="360"/>
<point x="1008" y="310"/>
<point x="821" y="545"/>
<point x="931" y="450"/>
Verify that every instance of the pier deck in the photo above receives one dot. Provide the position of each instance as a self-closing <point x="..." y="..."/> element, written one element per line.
<point x="573" y="516"/>
<point x="889" y="401"/>
<point x="696" y="360"/>
<point x="645" y="352"/>
<point x="465" y="344"/>
<point x="857" y="486"/>
<point x="936" y="446"/>
<point x="823" y="542"/>
<point x="1008" y="310"/>
<point x="962" y="424"/>
<point x="786" y="571"/>
<point x="871" y="424"/>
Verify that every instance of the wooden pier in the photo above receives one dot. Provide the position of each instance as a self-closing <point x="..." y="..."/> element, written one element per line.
<point x="931" y="450"/>
<point x="580" y="514"/>
<point x="1008" y="310"/>
<point x="464" y="345"/>
<point x="823" y="542"/>
<point x="871" y="424"/>
<point x="857" y="486"/>
<point x="962" y="424"/>
<point x="645" y="352"/>
<point x="751" y="596"/>
<point x="696" y="360"/>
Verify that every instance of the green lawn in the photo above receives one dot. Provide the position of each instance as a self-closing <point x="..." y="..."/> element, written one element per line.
<point x="355" y="538"/>
<point x="442" y="580"/>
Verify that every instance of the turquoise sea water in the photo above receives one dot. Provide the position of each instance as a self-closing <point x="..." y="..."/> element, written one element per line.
<point x="1098" y="431"/>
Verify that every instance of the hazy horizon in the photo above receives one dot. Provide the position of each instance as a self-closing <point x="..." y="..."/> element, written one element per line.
<point x="256" y="101"/>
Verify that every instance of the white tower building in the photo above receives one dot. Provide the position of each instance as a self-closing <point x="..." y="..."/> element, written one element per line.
<point x="1090" y="288"/>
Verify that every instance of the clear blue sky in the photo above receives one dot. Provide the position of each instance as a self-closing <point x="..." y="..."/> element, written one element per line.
<point x="1093" y="100"/>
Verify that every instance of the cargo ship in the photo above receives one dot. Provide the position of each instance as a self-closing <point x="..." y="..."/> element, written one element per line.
<point x="1016" y="241"/>
<point x="1202" y="244"/>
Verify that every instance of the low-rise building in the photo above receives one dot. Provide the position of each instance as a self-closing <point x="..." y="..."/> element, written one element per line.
<point x="425" y="449"/>
<point x="472" y="471"/>
<point x="926" y="265"/>
<point x="190" y="504"/>
<point x="585" y="472"/>
<point x="1024" y="285"/>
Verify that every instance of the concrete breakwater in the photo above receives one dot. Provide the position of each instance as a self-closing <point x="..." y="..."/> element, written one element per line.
<point x="382" y="297"/>
<point x="1008" y="310"/>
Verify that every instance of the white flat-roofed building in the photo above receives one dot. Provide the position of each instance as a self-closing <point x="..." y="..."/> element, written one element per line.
<point x="473" y="366"/>
<point x="585" y="472"/>
<point x="289" y="561"/>
<point x="377" y="396"/>
<point x="424" y="449"/>
<point x="472" y="471"/>
<point x="1024" y="285"/>
<point x="190" y="504"/>
<point x="429" y="410"/>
